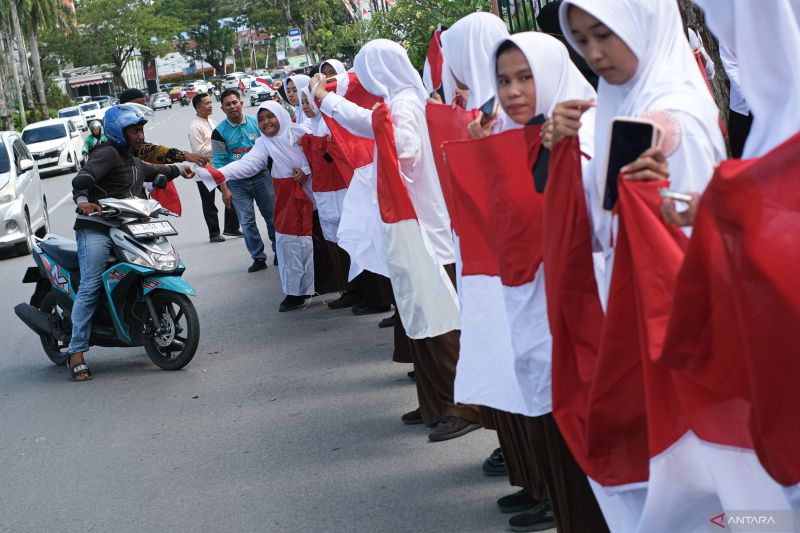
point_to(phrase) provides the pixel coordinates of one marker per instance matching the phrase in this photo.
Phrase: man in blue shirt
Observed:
(231, 139)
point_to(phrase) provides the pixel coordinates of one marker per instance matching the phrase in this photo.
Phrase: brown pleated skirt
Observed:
(330, 274)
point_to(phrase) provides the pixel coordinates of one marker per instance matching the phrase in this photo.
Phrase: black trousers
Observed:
(738, 130)
(210, 213)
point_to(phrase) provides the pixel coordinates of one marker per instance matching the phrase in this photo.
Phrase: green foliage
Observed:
(208, 30)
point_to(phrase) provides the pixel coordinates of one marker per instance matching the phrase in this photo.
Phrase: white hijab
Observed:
(383, 68)
(766, 41)
(556, 77)
(337, 65)
(467, 46)
(317, 122)
(282, 147)
(300, 81)
(667, 77)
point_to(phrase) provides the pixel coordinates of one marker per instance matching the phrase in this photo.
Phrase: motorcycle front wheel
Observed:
(175, 345)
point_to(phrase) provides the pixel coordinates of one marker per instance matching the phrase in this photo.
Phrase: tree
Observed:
(114, 32)
(37, 15)
(211, 32)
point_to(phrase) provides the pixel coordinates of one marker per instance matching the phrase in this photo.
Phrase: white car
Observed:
(231, 81)
(160, 101)
(92, 111)
(259, 92)
(74, 114)
(56, 145)
(23, 206)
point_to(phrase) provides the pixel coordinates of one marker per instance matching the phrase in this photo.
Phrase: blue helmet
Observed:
(118, 118)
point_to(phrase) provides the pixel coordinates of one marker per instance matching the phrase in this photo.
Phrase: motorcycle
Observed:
(144, 301)
(184, 100)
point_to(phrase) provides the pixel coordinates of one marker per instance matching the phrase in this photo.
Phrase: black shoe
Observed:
(237, 233)
(495, 465)
(540, 518)
(451, 427)
(292, 302)
(216, 238)
(360, 308)
(412, 418)
(275, 260)
(258, 264)
(517, 502)
(347, 299)
(388, 322)
(412, 376)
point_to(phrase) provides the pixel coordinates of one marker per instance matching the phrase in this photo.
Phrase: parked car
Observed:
(175, 94)
(277, 74)
(160, 101)
(56, 145)
(23, 205)
(92, 111)
(104, 100)
(259, 92)
(81, 99)
(74, 114)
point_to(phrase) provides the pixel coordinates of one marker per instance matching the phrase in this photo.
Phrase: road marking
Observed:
(60, 203)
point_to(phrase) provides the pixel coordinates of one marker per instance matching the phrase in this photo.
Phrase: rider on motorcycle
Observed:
(112, 171)
(95, 137)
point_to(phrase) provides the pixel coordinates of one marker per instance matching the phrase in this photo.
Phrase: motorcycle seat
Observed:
(63, 251)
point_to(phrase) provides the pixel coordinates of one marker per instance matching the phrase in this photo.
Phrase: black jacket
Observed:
(116, 173)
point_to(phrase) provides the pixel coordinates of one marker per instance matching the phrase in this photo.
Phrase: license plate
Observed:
(152, 229)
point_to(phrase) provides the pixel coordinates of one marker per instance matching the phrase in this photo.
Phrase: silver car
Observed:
(23, 205)
(160, 101)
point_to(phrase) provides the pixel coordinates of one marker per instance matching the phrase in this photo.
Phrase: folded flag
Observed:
(209, 176)
(168, 198)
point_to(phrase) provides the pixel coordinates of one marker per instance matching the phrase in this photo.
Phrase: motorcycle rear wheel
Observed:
(55, 349)
(177, 344)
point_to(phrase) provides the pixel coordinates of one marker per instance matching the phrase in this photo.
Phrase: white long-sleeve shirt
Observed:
(731, 66)
(200, 131)
(416, 161)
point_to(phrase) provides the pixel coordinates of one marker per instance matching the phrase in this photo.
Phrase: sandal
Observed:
(77, 370)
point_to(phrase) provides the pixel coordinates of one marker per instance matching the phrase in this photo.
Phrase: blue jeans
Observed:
(94, 249)
(257, 189)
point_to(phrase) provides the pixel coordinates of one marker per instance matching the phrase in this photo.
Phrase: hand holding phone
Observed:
(489, 110)
(631, 151)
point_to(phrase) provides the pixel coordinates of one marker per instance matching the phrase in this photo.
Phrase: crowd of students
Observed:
(626, 360)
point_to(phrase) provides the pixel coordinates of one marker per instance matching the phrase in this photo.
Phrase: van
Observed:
(56, 145)
(232, 80)
(74, 114)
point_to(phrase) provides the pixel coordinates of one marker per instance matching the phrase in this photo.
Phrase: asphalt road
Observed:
(282, 422)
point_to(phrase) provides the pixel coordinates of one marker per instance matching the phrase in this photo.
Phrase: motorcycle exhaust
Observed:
(34, 319)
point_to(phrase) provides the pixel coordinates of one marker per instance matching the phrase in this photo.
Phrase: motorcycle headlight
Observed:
(167, 261)
(146, 262)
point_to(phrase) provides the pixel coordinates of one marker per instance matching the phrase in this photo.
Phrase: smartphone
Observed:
(629, 138)
(542, 165)
(489, 110)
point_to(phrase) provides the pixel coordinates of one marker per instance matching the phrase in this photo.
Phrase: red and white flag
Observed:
(432, 71)
(168, 198)
(209, 176)
(359, 231)
(499, 222)
(426, 299)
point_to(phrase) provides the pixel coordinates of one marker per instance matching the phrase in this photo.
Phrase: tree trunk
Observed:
(720, 83)
(33, 41)
(9, 55)
(5, 119)
(23, 60)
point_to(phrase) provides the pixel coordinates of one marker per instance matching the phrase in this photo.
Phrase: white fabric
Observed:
(283, 147)
(316, 123)
(622, 506)
(793, 493)
(414, 152)
(296, 260)
(485, 370)
(731, 66)
(425, 297)
(765, 42)
(667, 78)
(697, 44)
(467, 47)
(330, 206)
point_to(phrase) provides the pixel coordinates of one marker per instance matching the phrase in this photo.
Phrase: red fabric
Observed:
(168, 198)
(266, 82)
(598, 413)
(435, 58)
(326, 176)
(493, 192)
(358, 151)
(756, 210)
(393, 198)
(446, 123)
(293, 209)
(219, 178)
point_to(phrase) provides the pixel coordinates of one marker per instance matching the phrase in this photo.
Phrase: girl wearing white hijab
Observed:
(533, 73)
(278, 150)
(384, 70)
(332, 67)
(294, 85)
(643, 58)
(466, 47)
